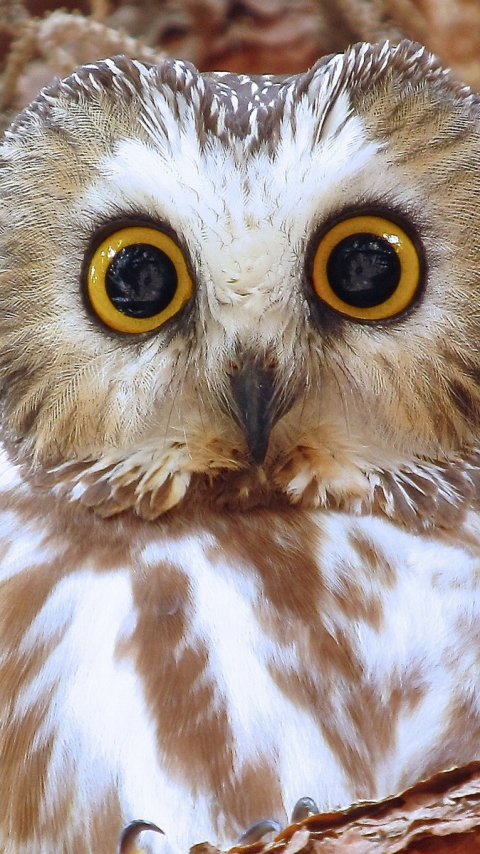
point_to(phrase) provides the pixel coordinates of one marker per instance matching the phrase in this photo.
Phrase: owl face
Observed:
(256, 289)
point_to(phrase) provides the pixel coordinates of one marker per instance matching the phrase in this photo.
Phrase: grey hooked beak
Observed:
(256, 407)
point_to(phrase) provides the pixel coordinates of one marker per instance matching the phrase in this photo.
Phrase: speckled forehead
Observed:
(185, 177)
(233, 134)
(232, 108)
(245, 113)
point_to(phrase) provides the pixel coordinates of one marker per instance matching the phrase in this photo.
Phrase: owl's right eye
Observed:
(137, 279)
(367, 267)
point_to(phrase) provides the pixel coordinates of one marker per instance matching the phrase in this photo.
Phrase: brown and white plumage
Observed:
(240, 552)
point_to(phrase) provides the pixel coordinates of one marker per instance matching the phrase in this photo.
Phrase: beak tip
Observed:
(258, 451)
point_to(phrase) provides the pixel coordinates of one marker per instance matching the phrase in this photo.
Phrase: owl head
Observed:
(251, 290)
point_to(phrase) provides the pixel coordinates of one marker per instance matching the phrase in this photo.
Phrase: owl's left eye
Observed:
(367, 267)
(137, 278)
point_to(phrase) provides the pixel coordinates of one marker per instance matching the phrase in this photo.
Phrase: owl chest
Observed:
(220, 671)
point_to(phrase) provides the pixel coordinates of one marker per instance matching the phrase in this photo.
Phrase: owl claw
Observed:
(303, 809)
(258, 830)
(129, 835)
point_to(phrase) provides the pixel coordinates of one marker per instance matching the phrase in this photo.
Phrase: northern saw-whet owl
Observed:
(240, 415)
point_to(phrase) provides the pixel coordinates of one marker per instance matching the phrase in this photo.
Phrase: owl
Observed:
(240, 465)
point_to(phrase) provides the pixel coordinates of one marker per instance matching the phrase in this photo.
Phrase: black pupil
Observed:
(141, 280)
(363, 270)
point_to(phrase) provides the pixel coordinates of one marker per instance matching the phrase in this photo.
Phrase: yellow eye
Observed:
(367, 267)
(137, 279)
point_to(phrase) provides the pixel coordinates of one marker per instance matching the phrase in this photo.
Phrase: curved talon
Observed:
(258, 830)
(127, 839)
(302, 809)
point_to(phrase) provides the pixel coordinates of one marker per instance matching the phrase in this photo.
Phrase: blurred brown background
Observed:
(41, 38)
